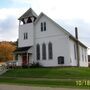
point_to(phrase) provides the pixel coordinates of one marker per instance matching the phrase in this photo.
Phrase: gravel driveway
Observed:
(18, 87)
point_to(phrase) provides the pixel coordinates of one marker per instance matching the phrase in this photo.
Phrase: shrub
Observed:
(36, 64)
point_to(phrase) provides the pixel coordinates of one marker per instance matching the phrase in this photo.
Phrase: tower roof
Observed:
(28, 13)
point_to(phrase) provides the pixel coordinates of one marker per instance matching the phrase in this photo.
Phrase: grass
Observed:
(53, 73)
(58, 77)
(32, 81)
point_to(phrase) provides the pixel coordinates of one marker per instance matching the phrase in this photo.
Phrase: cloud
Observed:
(7, 12)
(66, 9)
(21, 1)
(8, 29)
(9, 23)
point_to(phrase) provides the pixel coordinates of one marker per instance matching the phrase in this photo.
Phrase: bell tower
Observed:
(28, 17)
(26, 28)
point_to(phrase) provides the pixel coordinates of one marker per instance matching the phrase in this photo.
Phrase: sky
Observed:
(67, 13)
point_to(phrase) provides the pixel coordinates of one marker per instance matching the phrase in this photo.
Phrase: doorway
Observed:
(24, 60)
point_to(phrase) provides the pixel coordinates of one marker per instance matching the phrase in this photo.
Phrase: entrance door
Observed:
(24, 60)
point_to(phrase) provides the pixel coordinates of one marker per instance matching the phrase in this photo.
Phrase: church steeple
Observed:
(28, 17)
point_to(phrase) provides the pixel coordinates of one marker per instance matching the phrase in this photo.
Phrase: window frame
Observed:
(50, 51)
(25, 35)
(75, 51)
(38, 51)
(61, 60)
(41, 26)
(44, 26)
(44, 51)
(82, 54)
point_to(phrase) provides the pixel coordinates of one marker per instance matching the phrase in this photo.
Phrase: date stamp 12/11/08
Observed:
(83, 82)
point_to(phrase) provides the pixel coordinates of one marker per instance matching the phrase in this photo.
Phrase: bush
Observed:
(36, 64)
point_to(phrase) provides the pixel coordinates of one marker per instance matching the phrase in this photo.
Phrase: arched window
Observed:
(44, 26)
(38, 51)
(43, 51)
(50, 52)
(41, 26)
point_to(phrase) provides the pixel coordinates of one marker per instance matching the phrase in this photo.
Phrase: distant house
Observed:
(44, 41)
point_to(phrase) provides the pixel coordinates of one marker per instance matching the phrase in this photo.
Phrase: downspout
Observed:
(77, 47)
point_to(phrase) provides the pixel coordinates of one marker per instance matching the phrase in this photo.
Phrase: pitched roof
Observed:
(28, 13)
(42, 14)
(70, 35)
(24, 49)
(73, 38)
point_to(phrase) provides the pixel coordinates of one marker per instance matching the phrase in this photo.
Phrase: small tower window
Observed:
(25, 36)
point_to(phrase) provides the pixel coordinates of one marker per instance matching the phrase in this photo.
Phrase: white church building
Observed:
(43, 41)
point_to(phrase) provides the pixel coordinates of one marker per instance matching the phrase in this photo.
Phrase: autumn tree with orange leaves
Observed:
(6, 51)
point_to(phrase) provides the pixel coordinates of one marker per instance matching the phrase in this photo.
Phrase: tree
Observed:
(6, 51)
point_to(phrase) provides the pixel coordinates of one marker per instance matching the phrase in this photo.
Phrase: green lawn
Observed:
(59, 77)
(55, 73)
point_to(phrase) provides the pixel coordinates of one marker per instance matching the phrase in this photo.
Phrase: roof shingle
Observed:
(28, 13)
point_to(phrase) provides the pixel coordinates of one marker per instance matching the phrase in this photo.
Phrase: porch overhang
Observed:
(22, 50)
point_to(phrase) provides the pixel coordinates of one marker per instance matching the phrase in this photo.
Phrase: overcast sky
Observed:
(67, 13)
